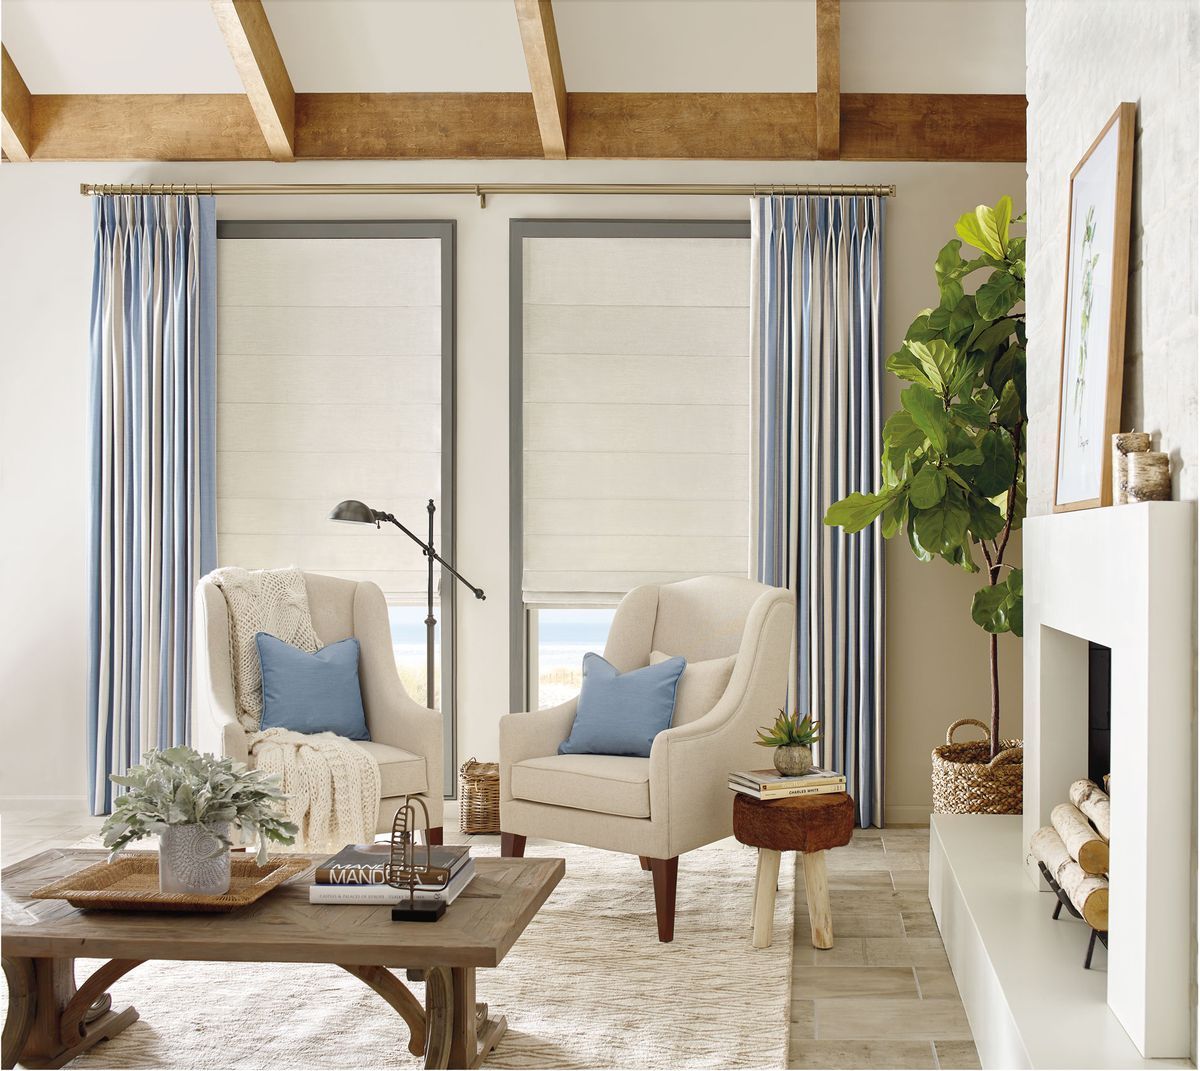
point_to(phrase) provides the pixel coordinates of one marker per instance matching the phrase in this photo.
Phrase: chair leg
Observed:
(512, 845)
(645, 861)
(666, 875)
(434, 834)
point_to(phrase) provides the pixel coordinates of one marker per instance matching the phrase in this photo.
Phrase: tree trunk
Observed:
(994, 655)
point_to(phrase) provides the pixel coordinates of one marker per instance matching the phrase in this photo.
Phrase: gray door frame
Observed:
(519, 230)
(444, 230)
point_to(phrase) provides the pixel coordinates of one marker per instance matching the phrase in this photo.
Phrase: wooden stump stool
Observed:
(810, 825)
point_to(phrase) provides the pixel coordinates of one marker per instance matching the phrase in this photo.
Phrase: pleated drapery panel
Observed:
(153, 523)
(817, 312)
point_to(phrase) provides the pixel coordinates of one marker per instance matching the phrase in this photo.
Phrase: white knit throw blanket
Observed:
(263, 600)
(332, 784)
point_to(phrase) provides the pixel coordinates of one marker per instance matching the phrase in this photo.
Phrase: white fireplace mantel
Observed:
(1123, 577)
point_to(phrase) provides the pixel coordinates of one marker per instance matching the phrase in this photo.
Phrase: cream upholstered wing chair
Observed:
(675, 800)
(406, 738)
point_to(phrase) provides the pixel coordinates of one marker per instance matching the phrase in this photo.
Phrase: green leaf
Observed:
(914, 541)
(995, 297)
(991, 336)
(996, 473)
(1011, 408)
(949, 259)
(952, 293)
(904, 365)
(987, 521)
(894, 516)
(928, 414)
(944, 526)
(1003, 215)
(936, 359)
(928, 487)
(902, 432)
(970, 414)
(979, 228)
(854, 512)
(1000, 608)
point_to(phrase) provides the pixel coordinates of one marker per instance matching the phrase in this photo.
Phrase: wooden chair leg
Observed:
(645, 861)
(765, 886)
(512, 845)
(434, 835)
(816, 889)
(666, 876)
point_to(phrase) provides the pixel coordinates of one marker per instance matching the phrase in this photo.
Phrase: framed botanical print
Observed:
(1093, 338)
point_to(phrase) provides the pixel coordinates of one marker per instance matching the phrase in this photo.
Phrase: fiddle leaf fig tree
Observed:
(953, 465)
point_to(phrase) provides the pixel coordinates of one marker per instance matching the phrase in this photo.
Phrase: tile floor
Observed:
(883, 996)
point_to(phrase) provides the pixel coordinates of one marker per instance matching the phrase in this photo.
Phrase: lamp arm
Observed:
(428, 551)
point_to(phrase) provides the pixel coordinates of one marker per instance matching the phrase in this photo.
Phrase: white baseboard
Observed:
(24, 804)
(907, 814)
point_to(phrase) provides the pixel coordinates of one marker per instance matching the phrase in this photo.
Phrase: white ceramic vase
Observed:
(793, 761)
(191, 859)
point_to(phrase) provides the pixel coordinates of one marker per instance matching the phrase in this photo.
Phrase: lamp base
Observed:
(419, 912)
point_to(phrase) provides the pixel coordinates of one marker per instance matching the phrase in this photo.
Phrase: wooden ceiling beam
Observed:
(478, 126)
(251, 43)
(829, 79)
(540, 40)
(933, 126)
(16, 130)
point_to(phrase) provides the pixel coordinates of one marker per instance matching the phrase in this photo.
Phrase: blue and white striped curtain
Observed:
(153, 525)
(817, 295)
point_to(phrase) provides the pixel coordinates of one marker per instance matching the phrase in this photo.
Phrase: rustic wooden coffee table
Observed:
(51, 1020)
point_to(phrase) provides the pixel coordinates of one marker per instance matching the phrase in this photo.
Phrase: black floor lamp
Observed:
(353, 512)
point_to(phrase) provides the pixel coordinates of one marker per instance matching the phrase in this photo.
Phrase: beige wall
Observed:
(936, 657)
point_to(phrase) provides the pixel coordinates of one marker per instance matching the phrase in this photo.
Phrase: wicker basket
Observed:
(479, 810)
(967, 781)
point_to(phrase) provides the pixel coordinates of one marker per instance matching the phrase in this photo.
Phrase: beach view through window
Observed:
(408, 643)
(563, 638)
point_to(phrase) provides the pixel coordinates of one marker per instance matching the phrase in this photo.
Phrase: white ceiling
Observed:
(173, 46)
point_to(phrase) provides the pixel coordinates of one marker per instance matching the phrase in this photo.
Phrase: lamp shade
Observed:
(352, 511)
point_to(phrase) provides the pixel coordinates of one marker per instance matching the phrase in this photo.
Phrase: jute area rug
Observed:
(588, 985)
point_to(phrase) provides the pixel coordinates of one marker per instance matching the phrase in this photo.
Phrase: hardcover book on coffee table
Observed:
(387, 895)
(366, 864)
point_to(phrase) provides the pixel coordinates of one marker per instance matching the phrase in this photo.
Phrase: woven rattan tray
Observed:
(131, 884)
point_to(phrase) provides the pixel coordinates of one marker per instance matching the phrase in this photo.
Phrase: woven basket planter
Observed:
(966, 780)
(479, 808)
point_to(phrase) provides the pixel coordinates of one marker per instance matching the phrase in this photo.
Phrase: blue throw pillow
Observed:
(622, 713)
(311, 693)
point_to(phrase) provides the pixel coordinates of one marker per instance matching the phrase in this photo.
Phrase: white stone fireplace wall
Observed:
(1123, 577)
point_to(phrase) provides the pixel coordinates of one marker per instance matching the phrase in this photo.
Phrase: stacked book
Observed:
(358, 875)
(770, 785)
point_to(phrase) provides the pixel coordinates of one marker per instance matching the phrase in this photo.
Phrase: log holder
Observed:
(1065, 901)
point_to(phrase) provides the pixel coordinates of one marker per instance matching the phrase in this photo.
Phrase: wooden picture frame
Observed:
(1089, 389)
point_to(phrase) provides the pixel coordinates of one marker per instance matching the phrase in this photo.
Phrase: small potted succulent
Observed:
(193, 802)
(792, 737)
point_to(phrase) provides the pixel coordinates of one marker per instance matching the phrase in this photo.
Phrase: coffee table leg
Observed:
(461, 1033)
(48, 1023)
(816, 889)
(764, 896)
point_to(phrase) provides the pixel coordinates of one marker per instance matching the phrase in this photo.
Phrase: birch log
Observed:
(1082, 841)
(1092, 800)
(1087, 892)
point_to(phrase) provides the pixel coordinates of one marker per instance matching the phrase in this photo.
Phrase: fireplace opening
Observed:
(1099, 712)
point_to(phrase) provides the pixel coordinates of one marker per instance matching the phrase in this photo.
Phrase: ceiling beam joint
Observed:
(540, 41)
(16, 130)
(256, 55)
(829, 79)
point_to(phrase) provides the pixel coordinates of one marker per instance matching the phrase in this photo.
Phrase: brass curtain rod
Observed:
(482, 190)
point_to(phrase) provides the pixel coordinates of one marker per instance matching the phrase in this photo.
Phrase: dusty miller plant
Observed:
(953, 465)
(179, 786)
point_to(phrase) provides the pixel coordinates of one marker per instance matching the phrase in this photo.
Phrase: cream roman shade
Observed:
(636, 413)
(329, 373)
